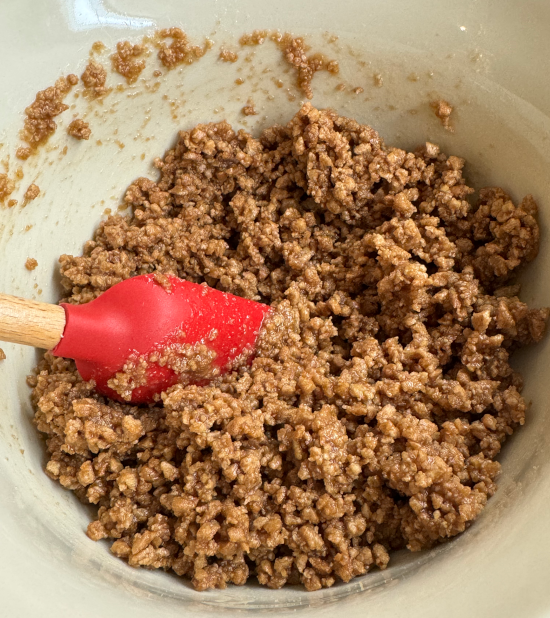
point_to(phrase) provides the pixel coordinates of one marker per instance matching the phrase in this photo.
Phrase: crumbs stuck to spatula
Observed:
(2, 355)
(164, 281)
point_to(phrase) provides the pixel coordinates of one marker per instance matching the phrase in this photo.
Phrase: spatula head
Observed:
(151, 317)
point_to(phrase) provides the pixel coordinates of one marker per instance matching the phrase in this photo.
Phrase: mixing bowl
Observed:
(485, 56)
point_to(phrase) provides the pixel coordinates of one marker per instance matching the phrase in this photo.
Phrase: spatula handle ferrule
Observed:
(30, 323)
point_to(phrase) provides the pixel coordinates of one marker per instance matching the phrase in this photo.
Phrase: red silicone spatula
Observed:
(135, 319)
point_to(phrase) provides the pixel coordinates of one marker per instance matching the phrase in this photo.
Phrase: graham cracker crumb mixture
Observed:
(443, 110)
(31, 264)
(295, 53)
(249, 109)
(23, 153)
(180, 51)
(32, 192)
(97, 47)
(2, 355)
(79, 129)
(39, 121)
(258, 37)
(164, 281)
(7, 187)
(127, 60)
(191, 362)
(228, 56)
(94, 79)
(381, 392)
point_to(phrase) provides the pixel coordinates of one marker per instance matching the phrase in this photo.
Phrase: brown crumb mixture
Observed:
(97, 47)
(7, 186)
(249, 109)
(228, 56)
(2, 355)
(39, 116)
(164, 281)
(94, 79)
(31, 264)
(23, 153)
(372, 415)
(127, 60)
(79, 129)
(180, 51)
(294, 51)
(257, 37)
(31, 193)
(191, 362)
(443, 110)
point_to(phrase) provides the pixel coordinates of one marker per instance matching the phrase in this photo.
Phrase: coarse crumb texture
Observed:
(127, 60)
(79, 129)
(23, 153)
(180, 50)
(31, 264)
(32, 192)
(228, 56)
(39, 123)
(249, 109)
(7, 186)
(295, 53)
(257, 37)
(381, 392)
(443, 110)
(94, 79)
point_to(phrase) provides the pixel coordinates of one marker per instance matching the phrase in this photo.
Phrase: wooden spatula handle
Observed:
(30, 323)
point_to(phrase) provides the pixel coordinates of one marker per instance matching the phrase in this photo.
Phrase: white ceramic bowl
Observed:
(487, 57)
